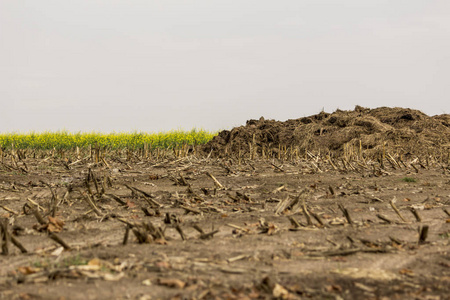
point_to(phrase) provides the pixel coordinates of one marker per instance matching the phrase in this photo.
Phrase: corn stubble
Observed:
(206, 188)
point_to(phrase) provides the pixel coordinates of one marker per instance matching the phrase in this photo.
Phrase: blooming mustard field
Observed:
(68, 140)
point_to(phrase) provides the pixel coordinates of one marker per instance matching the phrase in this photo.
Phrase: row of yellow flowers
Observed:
(67, 140)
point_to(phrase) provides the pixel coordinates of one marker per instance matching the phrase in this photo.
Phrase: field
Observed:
(200, 222)
(64, 140)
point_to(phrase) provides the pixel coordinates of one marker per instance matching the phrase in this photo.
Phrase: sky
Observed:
(139, 65)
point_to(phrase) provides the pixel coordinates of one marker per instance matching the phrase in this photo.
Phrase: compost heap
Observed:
(398, 131)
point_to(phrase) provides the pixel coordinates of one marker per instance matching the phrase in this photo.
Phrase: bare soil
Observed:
(348, 205)
(267, 229)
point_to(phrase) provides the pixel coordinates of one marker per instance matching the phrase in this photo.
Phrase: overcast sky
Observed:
(124, 65)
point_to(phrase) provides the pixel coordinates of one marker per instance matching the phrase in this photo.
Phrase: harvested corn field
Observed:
(264, 220)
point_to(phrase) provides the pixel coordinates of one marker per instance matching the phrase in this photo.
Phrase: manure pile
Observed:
(362, 131)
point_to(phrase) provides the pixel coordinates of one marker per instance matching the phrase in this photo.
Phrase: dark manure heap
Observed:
(364, 132)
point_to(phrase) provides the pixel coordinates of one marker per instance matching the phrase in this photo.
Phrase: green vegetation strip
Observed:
(409, 179)
(67, 140)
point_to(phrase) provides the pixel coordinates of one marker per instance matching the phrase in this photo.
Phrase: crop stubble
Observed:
(247, 225)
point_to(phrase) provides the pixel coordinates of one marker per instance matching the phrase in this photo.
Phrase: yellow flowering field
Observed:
(68, 140)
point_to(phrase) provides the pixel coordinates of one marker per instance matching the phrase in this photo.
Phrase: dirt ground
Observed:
(263, 229)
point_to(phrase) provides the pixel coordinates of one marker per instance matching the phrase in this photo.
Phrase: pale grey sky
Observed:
(123, 65)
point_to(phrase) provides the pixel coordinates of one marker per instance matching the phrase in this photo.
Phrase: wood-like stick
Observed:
(396, 210)
(60, 241)
(416, 214)
(218, 184)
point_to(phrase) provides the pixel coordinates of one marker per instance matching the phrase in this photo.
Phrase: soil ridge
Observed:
(400, 131)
